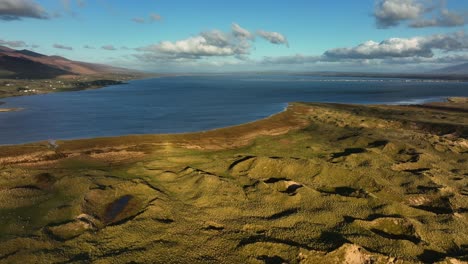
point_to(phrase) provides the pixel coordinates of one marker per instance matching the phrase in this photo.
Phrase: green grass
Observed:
(353, 182)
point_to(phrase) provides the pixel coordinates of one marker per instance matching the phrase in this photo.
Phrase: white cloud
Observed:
(390, 13)
(428, 51)
(216, 38)
(192, 47)
(214, 43)
(234, 45)
(394, 47)
(273, 37)
(402, 47)
(418, 14)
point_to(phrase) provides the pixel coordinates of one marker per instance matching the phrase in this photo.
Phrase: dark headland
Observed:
(24, 72)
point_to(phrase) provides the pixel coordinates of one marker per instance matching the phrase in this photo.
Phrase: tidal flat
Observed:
(317, 183)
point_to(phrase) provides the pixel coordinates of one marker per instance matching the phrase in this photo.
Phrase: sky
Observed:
(243, 35)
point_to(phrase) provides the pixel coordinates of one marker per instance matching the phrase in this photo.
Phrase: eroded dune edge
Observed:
(318, 183)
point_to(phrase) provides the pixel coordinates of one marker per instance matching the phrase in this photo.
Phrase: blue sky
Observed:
(166, 36)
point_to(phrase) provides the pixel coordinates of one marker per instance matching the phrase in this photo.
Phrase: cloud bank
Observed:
(403, 47)
(19, 9)
(215, 43)
(433, 49)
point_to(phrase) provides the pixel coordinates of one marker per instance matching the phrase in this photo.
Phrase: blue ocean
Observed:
(196, 103)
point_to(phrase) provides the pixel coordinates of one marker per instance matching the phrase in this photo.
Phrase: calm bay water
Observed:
(188, 103)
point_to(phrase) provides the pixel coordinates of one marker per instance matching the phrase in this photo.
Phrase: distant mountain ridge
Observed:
(30, 64)
(457, 69)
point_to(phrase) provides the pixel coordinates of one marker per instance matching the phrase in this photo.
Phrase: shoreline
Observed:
(6, 110)
(250, 123)
(23, 87)
(287, 112)
(284, 110)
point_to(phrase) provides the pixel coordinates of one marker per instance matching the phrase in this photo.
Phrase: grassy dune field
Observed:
(318, 183)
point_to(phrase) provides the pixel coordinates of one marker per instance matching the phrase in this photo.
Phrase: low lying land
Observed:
(318, 183)
(3, 110)
(21, 87)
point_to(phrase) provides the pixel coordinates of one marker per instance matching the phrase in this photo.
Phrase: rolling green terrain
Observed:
(318, 183)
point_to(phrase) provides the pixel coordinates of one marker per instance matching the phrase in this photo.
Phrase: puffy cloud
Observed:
(194, 47)
(13, 44)
(216, 38)
(214, 43)
(240, 32)
(428, 51)
(233, 46)
(273, 37)
(394, 47)
(418, 14)
(18, 9)
(60, 46)
(108, 47)
(402, 47)
(390, 13)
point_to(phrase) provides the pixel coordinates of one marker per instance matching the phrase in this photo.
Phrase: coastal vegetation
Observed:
(21, 87)
(318, 183)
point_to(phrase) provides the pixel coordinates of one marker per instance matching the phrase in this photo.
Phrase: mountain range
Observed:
(461, 69)
(25, 64)
(29, 64)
